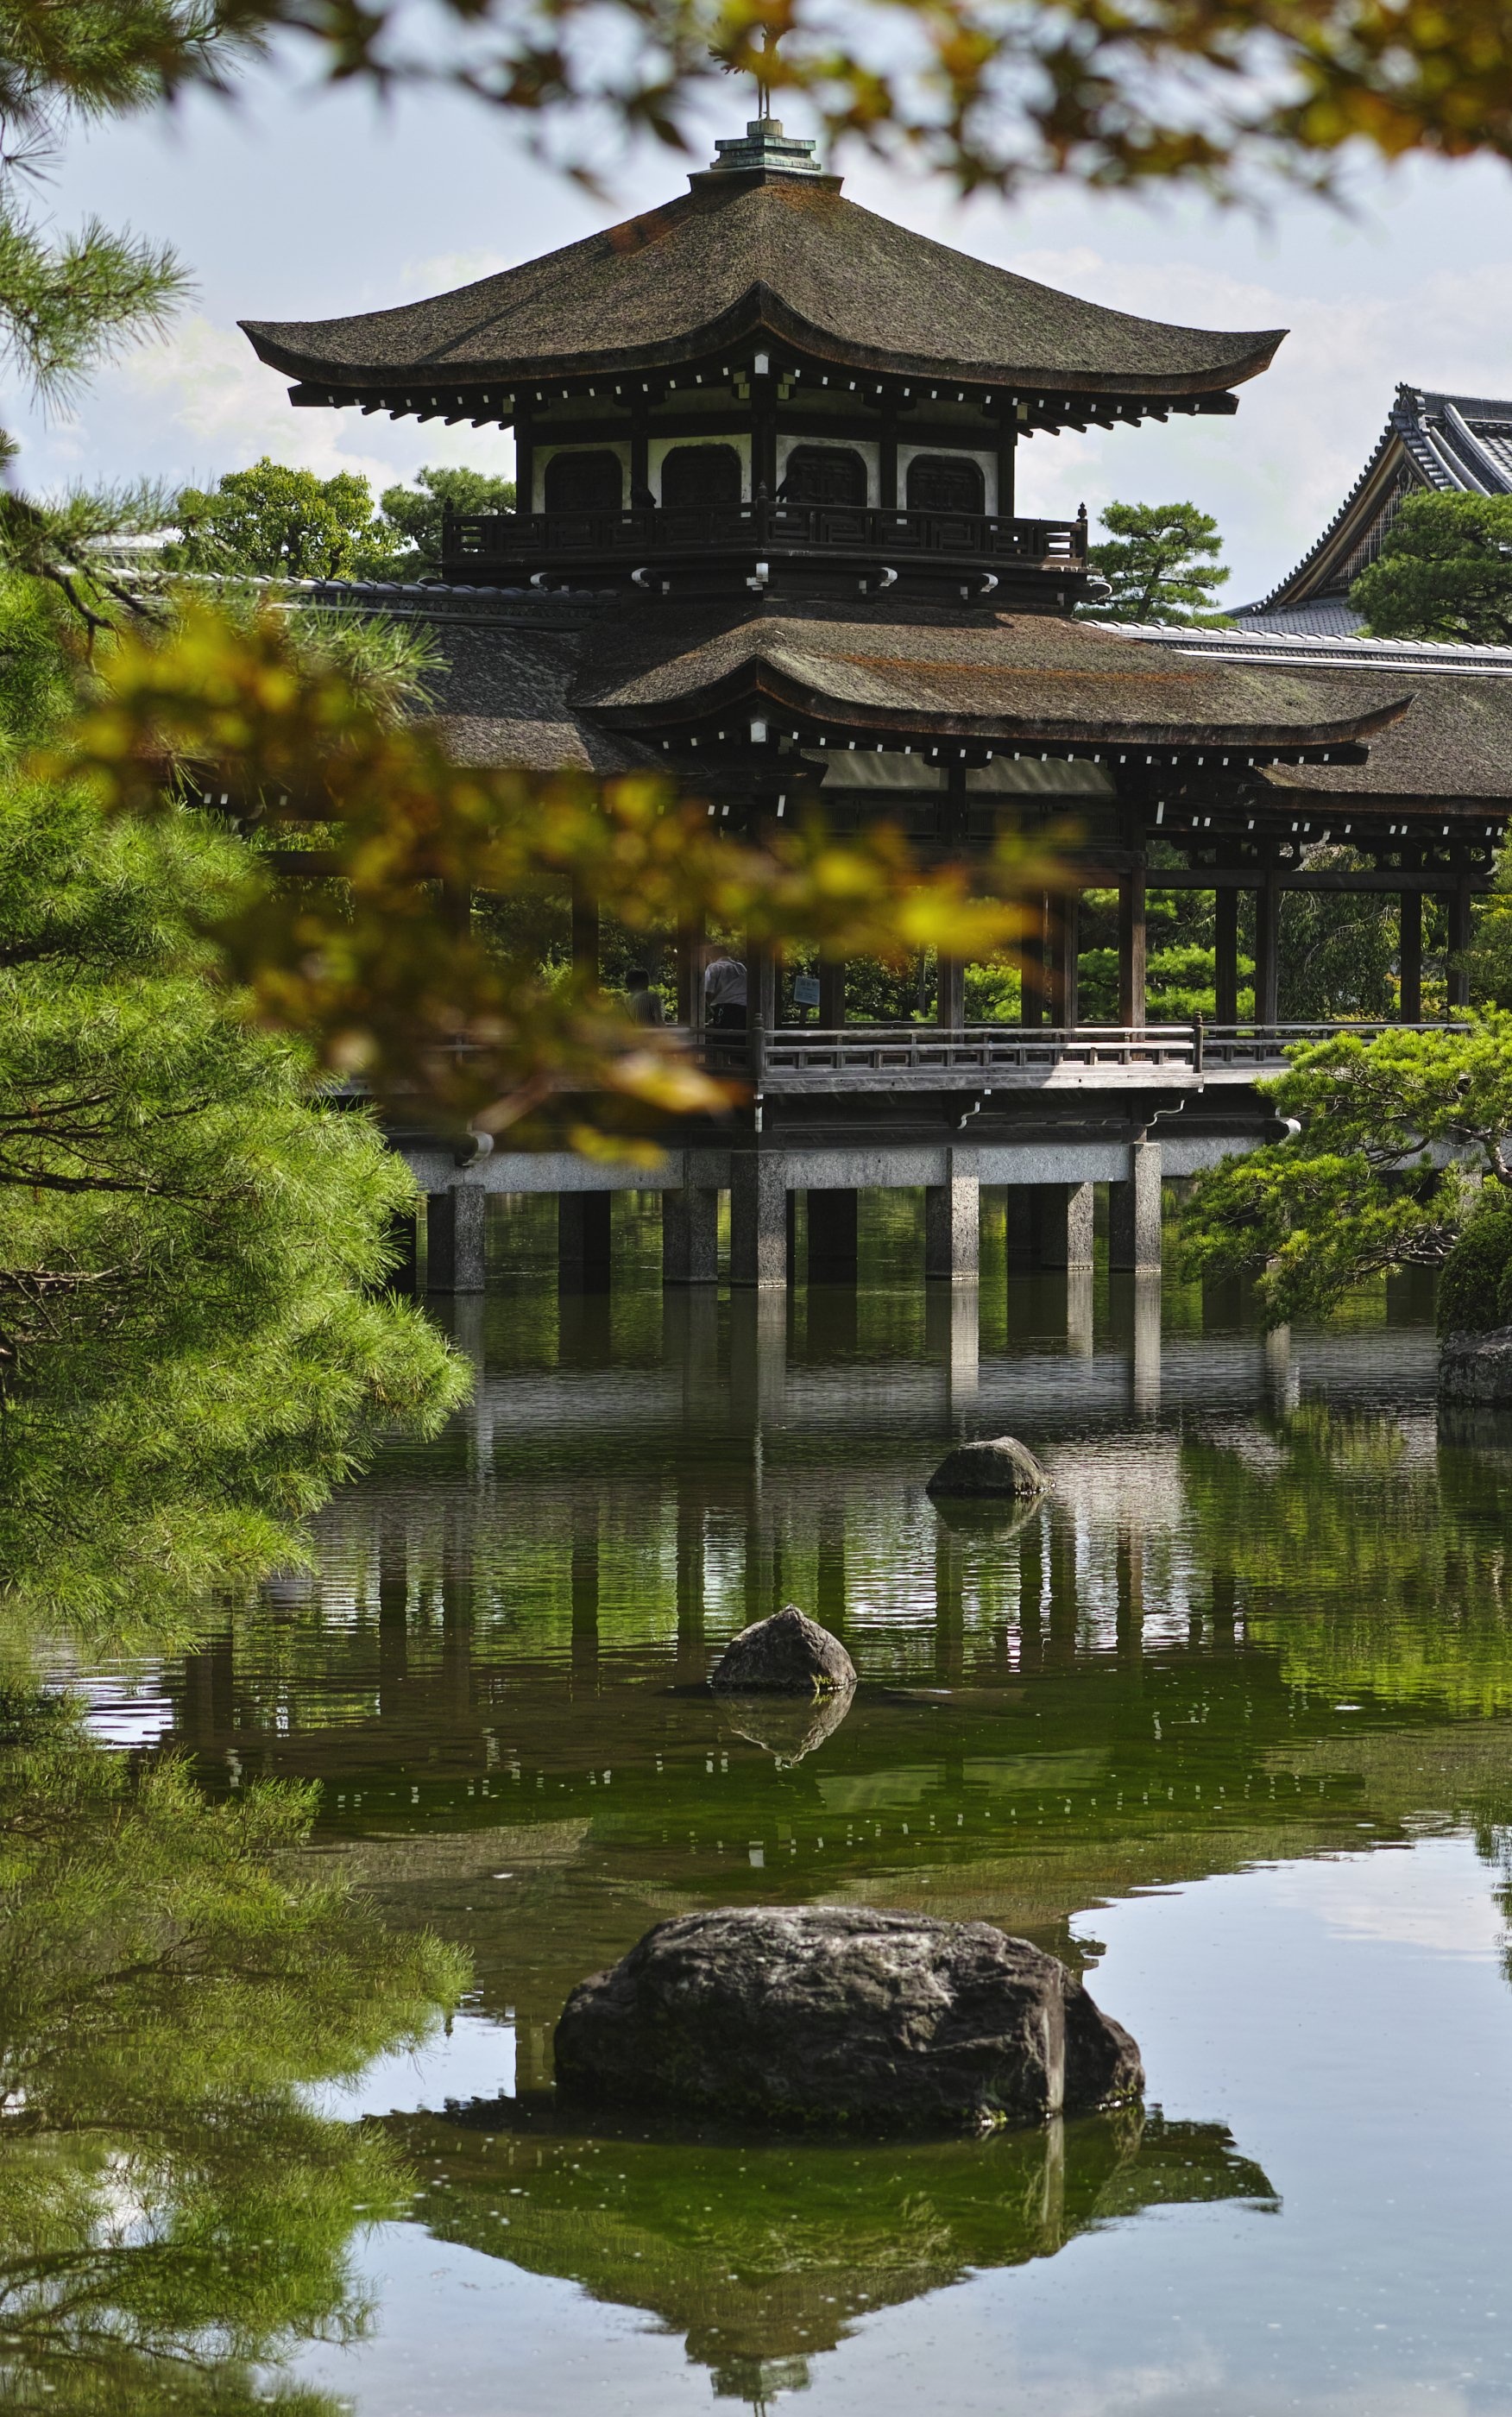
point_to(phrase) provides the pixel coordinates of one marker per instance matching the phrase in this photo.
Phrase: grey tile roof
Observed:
(786, 253)
(1450, 443)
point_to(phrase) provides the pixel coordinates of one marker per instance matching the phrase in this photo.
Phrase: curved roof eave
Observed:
(759, 312)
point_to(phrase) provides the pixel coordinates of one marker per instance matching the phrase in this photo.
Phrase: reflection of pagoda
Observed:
(767, 541)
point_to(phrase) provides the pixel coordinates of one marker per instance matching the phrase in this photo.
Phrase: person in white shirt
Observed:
(644, 1003)
(724, 994)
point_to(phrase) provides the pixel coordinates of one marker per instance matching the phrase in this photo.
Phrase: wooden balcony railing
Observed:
(486, 543)
(929, 1057)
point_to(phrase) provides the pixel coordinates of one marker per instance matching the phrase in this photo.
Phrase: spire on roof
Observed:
(763, 145)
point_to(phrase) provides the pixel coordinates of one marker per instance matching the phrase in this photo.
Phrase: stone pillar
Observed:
(1134, 1212)
(1268, 948)
(1409, 956)
(689, 1235)
(758, 1358)
(952, 1216)
(1048, 1225)
(1079, 1298)
(1226, 955)
(454, 1232)
(831, 997)
(952, 1334)
(1132, 947)
(833, 1225)
(1146, 1355)
(949, 993)
(583, 1241)
(1459, 984)
(758, 1219)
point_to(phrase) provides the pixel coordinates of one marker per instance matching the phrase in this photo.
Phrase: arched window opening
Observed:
(824, 473)
(945, 482)
(584, 482)
(700, 475)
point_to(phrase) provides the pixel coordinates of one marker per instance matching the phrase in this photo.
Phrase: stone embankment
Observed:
(1476, 1369)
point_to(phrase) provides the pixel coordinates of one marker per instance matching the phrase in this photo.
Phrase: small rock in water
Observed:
(789, 1727)
(1004, 1465)
(788, 1654)
(822, 2015)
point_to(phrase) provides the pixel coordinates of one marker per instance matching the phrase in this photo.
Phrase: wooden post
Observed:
(1410, 954)
(1007, 447)
(1268, 944)
(831, 996)
(585, 934)
(888, 494)
(690, 974)
(949, 993)
(1459, 983)
(1132, 947)
(1064, 925)
(1226, 957)
(761, 1000)
(762, 435)
(525, 462)
(640, 453)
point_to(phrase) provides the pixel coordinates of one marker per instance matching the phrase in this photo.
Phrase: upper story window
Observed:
(824, 474)
(693, 475)
(584, 482)
(945, 482)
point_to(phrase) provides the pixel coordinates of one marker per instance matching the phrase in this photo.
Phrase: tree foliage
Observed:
(171, 2213)
(1161, 562)
(413, 516)
(193, 1344)
(1391, 1136)
(274, 523)
(1445, 571)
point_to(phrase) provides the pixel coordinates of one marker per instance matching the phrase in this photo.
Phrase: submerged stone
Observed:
(1004, 1465)
(788, 1655)
(824, 2016)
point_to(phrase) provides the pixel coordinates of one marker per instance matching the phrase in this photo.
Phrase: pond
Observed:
(1225, 1724)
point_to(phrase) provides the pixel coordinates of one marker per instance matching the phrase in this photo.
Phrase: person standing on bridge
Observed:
(724, 994)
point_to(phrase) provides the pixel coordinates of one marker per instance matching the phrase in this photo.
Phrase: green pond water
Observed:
(1225, 1724)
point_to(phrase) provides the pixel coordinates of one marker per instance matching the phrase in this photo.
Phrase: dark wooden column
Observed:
(1035, 969)
(761, 996)
(1459, 906)
(1226, 956)
(1133, 952)
(525, 462)
(1268, 942)
(831, 996)
(1007, 449)
(1064, 931)
(950, 972)
(1410, 951)
(585, 934)
(690, 937)
(640, 451)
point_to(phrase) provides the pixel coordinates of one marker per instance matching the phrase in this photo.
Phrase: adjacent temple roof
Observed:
(1454, 443)
(748, 249)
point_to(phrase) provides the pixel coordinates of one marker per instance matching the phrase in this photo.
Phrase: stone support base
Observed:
(758, 1220)
(1134, 1213)
(583, 1241)
(454, 1239)
(952, 1215)
(1048, 1225)
(689, 1236)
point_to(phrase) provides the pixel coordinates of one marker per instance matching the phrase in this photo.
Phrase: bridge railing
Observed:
(928, 1055)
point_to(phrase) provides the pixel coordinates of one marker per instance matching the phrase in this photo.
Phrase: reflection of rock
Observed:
(764, 2254)
(787, 1729)
(787, 1655)
(1001, 1466)
(823, 2015)
(985, 1518)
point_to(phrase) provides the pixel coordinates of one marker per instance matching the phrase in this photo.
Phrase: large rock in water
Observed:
(1003, 1465)
(788, 1655)
(830, 2015)
(1477, 1369)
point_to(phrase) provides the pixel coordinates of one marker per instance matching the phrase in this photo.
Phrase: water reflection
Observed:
(1264, 1615)
(764, 2256)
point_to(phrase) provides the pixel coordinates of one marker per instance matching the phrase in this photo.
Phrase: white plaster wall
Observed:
(660, 446)
(986, 462)
(869, 450)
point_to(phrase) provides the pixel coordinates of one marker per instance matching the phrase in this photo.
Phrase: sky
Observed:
(293, 204)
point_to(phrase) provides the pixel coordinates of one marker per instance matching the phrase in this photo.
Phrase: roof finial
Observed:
(764, 143)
